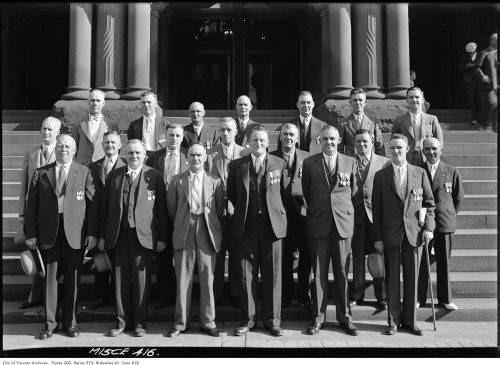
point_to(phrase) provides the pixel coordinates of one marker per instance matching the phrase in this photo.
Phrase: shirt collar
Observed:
(172, 151)
(67, 164)
(243, 121)
(227, 148)
(112, 158)
(429, 165)
(49, 148)
(369, 157)
(152, 116)
(129, 170)
(98, 117)
(261, 158)
(417, 116)
(358, 117)
(192, 175)
(326, 157)
(302, 119)
(396, 167)
(289, 153)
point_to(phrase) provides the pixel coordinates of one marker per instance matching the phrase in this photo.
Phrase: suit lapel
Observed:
(51, 175)
(410, 180)
(322, 170)
(372, 167)
(218, 162)
(103, 128)
(366, 123)
(35, 158)
(72, 177)
(245, 173)
(120, 180)
(85, 129)
(161, 162)
(350, 124)
(207, 189)
(185, 185)
(102, 173)
(389, 173)
(438, 178)
(409, 127)
(424, 123)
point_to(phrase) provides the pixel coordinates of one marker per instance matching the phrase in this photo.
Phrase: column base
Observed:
(373, 92)
(134, 93)
(338, 92)
(397, 92)
(76, 93)
(111, 94)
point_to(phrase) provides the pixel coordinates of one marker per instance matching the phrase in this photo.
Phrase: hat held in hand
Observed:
(101, 261)
(32, 263)
(376, 265)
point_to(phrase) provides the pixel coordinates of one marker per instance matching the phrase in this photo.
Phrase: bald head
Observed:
(65, 148)
(196, 112)
(50, 129)
(243, 107)
(432, 150)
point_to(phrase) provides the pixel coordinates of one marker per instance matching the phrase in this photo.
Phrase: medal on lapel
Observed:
(79, 194)
(162, 139)
(316, 139)
(447, 187)
(208, 144)
(417, 194)
(151, 194)
(207, 208)
(299, 173)
(343, 179)
(274, 177)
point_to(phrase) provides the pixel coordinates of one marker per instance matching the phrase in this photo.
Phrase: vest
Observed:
(257, 192)
(129, 197)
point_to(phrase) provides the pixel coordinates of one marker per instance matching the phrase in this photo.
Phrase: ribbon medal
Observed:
(207, 208)
(274, 176)
(447, 187)
(344, 179)
(151, 194)
(299, 173)
(79, 194)
(162, 139)
(417, 194)
(316, 139)
(208, 144)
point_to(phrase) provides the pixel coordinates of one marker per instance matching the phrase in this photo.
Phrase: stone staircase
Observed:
(474, 255)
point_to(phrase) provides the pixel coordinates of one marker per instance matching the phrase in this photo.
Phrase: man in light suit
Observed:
(487, 63)
(132, 227)
(218, 159)
(39, 156)
(170, 161)
(89, 132)
(245, 125)
(61, 219)
(416, 125)
(358, 120)
(309, 126)
(401, 194)
(328, 187)
(258, 225)
(448, 192)
(150, 128)
(295, 206)
(100, 169)
(195, 204)
(198, 130)
(367, 164)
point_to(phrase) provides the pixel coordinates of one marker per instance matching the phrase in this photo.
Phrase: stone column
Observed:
(80, 49)
(138, 61)
(368, 54)
(398, 50)
(325, 49)
(156, 8)
(340, 51)
(110, 51)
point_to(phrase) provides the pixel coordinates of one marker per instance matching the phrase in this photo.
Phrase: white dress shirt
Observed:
(416, 120)
(260, 158)
(196, 202)
(331, 161)
(305, 122)
(433, 168)
(94, 122)
(242, 123)
(228, 150)
(148, 134)
(136, 171)
(401, 171)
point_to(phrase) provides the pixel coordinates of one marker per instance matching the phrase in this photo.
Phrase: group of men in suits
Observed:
(197, 194)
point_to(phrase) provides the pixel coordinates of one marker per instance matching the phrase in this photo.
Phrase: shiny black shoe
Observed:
(391, 330)
(139, 332)
(350, 329)
(72, 331)
(214, 332)
(174, 332)
(314, 328)
(27, 304)
(46, 334)
(115, 332)
(243, 329)
(275, 331)
(382, 305)
(413, 330)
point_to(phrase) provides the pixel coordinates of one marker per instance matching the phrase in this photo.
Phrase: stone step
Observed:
(469, 238)
(480, 186)
(11, 188)
(471, 160)
(463, 284)
(11, 175)
(469, 172)
(477, 219)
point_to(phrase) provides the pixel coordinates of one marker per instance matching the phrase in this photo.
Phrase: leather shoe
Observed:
(214, 332)
(139, 332)
(391, 330)
(72, 331)
(27, 304)
(174, 332)
(243, 329)
(450, 306)
(314, 328)
(413, 330)
(350, 329)
(46, 334)
(382, 304)
(115, 332)
(275, 331)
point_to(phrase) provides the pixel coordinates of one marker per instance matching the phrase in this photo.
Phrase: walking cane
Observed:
(426, 248)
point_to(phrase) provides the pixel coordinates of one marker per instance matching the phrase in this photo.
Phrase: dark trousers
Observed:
(61, 258)
(443, 243)
(131, 261)
(409, 257)
(234, 276)
(362, 244)
(102, 286)
(474, 98)
(260, 249)
(296, 241)
(323, 250)
(488, 114)
(165, 275)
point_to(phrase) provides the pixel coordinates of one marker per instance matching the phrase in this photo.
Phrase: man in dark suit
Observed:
(448, 191)
(245, 125)
(358, 120)
(195, 204)
(39, 156)
(328, 187)
(198, 130)
(403, 219)
(170, 161)
(218, 159)
(295, 205)
(89, 132)
(416, 125)
(487, 63)
(132, 226)
(471, 79)
(309, 126)
(61, 219)
(150, 128)
(367, 164)
(258, 224)
(100, 170)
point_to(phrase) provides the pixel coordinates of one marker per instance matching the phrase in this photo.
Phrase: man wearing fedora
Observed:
(39, 156)
(132, 225)
(367, 164)
(100, 169)
(61, 219)
(471, 79)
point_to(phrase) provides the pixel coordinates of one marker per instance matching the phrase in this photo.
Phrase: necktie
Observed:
(258, 166)
(329, 163)
(356, 122)
(433, 171)
(61, 181)
(149, 125)
(132, 175)
(364, 162)
(195, 197)
(289, 161)
(46, 155)
(109, 166)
